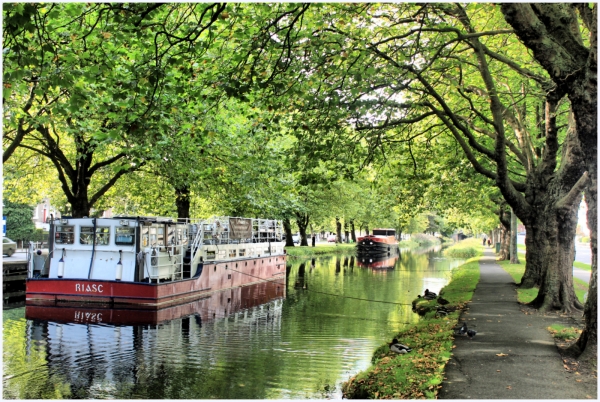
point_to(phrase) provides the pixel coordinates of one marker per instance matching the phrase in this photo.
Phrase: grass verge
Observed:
(468, 248)
(419, 373)
(308, 251)
(582, 265)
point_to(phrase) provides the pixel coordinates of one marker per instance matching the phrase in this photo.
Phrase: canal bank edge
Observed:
(419, 373)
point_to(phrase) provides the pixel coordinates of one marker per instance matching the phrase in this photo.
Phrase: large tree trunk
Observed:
(514, 253)
(352, 230)
(182, 201)
(504, 244)
(302, 220)
(589, 336)
(346, 232)
(287, 228)
(557, 291)
(338, 230)
(80, 206)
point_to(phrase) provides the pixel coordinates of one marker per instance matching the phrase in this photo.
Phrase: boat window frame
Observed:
(60, 234)
(102, 235)
(131, 232)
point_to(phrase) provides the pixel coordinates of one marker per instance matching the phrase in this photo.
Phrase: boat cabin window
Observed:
(210, 254)
(232, 253)
(124, 236)
(153, 236)
(383, 232)
(242, 252)
(86, 235)
(64, 234)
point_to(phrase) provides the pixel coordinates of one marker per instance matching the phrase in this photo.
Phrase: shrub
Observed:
(464, 249)
(424, 239)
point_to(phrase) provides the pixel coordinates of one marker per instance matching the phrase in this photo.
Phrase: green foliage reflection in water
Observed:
(31, 378)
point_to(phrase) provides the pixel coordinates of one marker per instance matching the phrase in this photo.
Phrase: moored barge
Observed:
(381, 242)
(153, 262)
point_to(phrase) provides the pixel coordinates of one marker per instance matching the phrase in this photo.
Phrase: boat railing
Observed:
(217, 230)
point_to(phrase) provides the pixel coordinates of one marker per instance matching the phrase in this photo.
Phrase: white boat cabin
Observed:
(140, 249)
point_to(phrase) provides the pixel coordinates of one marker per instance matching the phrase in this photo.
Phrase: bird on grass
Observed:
(442, 301)
(428, 293)
(398, 347)
(426, 297)
(471, 333)
(441, 313)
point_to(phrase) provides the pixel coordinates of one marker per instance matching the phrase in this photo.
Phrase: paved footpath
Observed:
(513, 356)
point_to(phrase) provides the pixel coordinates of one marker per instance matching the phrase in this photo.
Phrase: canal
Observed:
(298, 340)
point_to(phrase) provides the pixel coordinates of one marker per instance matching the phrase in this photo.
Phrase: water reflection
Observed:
(273, 341)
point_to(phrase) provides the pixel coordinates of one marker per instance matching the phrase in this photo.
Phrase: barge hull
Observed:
(217, 277)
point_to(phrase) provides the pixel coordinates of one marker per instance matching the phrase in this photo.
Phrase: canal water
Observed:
(295, 340)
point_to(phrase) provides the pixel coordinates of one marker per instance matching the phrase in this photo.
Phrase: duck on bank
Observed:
(430, 340)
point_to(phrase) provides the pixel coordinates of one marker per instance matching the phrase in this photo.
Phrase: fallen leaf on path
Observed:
(501, 354)
(509, 387)
(499, 371)
(578, 380)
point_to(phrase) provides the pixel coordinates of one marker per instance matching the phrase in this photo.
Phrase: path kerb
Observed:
(513, 356)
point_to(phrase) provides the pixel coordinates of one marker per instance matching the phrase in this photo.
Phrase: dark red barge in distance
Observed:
(153, 262)
(381, 242)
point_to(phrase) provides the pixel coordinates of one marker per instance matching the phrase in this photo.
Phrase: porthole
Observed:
(215, 268)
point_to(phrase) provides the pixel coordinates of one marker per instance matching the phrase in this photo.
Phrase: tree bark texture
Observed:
(504, 233)
(352, 230)
(302, 220)
(514, 253)
(182, 201)
(338, 230)
(287, 228)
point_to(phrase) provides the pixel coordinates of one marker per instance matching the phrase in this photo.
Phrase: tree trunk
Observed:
(590, 312)
(346, 232)
(182, 201)
(557, 291)
(338, 229)
(504, 232)
(302, 220)
(80, 206)
(514, 253)
(504, 244)
(287, 228)
(352, 231)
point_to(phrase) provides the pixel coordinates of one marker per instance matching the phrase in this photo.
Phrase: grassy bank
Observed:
(468, 248)
(419, 373)
(309, 251)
